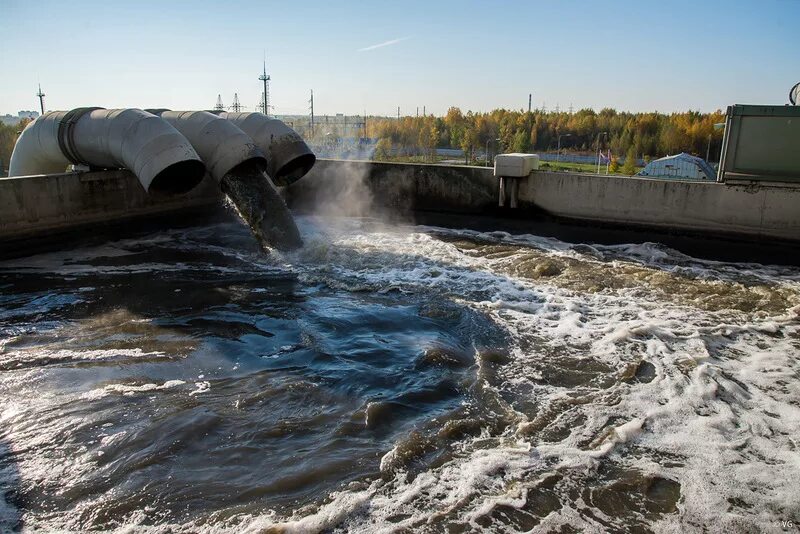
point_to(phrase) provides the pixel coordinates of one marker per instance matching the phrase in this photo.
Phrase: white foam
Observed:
(721, 406)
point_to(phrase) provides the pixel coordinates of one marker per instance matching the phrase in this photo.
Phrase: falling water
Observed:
(258, 203)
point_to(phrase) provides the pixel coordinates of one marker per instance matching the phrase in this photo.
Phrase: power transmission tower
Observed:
(570, 108)
(557, 107)
(265, 78)
(237, 107)
(40, 94)
(219, 106)
(312, 112)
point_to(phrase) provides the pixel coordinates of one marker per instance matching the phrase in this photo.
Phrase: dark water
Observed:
(395, 379)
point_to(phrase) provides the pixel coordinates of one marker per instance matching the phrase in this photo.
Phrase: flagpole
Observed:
(598, 150)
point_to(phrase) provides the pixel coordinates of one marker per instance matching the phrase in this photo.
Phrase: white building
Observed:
(680, 167)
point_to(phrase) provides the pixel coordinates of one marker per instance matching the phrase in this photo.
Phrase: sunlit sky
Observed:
(374, 56)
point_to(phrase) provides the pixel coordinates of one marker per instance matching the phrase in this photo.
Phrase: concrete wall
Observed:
(38, 205)
(357, 187)
(747, 211)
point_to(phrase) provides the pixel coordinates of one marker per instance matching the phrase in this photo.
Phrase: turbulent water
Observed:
(396, 379)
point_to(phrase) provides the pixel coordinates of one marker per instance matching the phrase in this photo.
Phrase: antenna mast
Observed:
(312, 112)
(40, 94)
(265, 78)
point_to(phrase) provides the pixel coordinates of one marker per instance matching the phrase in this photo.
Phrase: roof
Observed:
(680, 166)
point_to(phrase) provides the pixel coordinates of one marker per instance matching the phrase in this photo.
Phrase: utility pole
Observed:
(417, 111)
(219, 106)
(312, 112)
(424, 114)
(365, 124)
(530, 99)
(398, 112)
(265, 78)
(40, 94)
(237, 107)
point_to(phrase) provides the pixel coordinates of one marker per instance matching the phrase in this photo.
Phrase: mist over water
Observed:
(390, 378)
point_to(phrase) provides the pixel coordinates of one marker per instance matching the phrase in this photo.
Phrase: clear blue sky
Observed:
(630, 55)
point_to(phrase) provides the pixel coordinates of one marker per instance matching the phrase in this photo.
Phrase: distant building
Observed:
(680, 167)
(14, 119)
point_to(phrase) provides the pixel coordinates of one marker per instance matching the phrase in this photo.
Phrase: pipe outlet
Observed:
(219, 142)
(161, 158)
(288, 157)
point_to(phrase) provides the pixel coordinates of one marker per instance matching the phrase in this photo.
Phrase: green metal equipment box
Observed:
(761, 143)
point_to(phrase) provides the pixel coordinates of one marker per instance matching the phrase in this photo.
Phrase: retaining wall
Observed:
(755, 211)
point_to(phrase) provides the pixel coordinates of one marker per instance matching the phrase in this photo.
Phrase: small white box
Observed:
(515, 165)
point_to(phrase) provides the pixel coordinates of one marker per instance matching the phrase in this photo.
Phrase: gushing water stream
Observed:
(258, 203)
(396, 379)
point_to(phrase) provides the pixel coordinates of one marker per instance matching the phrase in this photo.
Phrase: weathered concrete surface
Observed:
(36, 206)
(761, 211)
(52, 204)
(357, 187)
(753, 212)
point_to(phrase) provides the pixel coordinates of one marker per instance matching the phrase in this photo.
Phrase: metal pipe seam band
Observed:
(66, 127)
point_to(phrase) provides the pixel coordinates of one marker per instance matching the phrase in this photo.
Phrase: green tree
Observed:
(629, 167)
(383, 149)
(521, 140)
(613, 167)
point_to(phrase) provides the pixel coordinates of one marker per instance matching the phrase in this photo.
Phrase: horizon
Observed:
(373, 60)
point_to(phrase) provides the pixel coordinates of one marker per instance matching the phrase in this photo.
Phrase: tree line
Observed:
(635, 135)
(8, 136)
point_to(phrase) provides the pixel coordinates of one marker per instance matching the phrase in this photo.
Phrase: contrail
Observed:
(381, 45)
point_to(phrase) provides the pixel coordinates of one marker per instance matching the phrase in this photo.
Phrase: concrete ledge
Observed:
(36, 206)
(734, 210)
(355, 187)
(754, 211)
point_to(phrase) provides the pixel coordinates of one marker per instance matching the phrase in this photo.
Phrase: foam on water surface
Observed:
(629, 387)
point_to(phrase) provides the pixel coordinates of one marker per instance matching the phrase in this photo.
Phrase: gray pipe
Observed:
(221, 145)
(160, 157)
(288, 156)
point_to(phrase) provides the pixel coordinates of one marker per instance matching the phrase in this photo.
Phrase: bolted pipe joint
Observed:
(220, 144)
(160, 157)
(288, 157)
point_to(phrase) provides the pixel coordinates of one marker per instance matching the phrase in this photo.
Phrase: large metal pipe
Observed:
(161, 158)
(239, 165)
(288, 157)
(219, 142)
